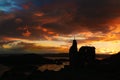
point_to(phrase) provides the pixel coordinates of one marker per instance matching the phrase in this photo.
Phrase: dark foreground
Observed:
(25, 67)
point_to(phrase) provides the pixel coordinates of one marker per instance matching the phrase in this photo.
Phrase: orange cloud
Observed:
(44, 30)
(26, 7)
(26, 34)
(47, 38)
(50, 32)
(38, 14)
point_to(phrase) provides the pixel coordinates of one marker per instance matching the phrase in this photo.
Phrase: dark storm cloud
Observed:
(4, 16)
(96, 14)
(64, 17)
(84, 15)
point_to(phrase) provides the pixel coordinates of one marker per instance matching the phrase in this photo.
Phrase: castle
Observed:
(85, 55)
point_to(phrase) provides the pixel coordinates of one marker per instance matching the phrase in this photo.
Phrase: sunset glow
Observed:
(49, 26)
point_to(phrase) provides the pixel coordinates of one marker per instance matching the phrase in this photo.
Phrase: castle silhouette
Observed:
(84, 57)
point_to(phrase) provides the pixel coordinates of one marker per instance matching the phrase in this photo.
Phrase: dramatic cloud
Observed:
(58, 20)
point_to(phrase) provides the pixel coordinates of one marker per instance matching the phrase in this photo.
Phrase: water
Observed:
(53, 67)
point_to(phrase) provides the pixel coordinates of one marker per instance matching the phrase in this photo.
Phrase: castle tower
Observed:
(73, 53)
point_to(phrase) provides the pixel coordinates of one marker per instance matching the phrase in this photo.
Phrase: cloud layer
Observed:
(90, 20)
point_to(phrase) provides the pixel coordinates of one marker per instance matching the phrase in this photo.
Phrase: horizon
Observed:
(49, 26)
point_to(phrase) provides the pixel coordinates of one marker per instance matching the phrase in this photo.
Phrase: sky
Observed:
(49, 26)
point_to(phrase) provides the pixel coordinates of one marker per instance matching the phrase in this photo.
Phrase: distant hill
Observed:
(113, 59)
(98, 56)
(23, 59)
